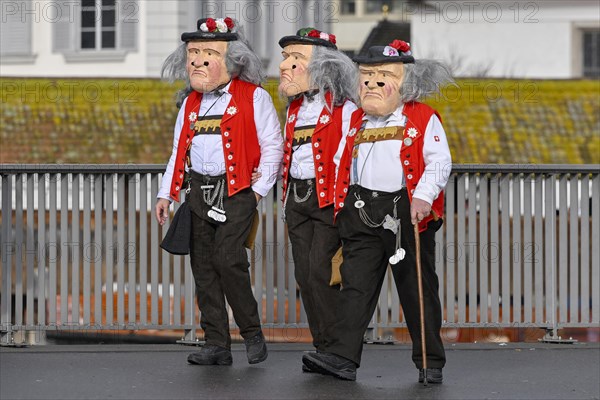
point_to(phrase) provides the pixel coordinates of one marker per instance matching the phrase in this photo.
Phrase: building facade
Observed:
(131, 38)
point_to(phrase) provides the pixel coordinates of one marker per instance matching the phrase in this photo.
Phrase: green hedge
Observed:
(131, 120)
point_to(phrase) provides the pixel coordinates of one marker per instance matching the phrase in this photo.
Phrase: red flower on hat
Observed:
(400, 45)
(229, 22)
(332, 38)
(314, 33)
(211, 24)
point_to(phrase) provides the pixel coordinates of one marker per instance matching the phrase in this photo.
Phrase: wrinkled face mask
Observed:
(206, 65)
(293, 70)
(380, 88)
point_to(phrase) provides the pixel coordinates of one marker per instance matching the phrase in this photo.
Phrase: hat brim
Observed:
(209, 36)
(294, 39)
(383, 59)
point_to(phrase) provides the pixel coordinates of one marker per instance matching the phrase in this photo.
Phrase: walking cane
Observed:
(421, 302)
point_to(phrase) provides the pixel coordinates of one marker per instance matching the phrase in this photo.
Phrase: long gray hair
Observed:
(240, 60)
(333, 71)
(424, 78)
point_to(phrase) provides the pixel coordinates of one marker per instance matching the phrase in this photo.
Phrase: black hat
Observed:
(397, 51)
(310, 36)
(213, 29)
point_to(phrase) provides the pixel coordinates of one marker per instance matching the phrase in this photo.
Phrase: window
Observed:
(348, 7)
(376, 6)
(95, 30)
(98, 24)
(591, 54)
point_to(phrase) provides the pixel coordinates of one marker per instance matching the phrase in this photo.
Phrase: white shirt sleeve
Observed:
(438, 162)
(349, 108)
(270, 141)
(165, 185)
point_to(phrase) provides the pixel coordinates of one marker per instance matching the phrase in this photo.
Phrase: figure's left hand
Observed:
(256, 174)
(419, 209)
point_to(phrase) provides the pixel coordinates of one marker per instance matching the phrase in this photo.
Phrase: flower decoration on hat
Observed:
(314, 33)
(396, 48)
(219, 25)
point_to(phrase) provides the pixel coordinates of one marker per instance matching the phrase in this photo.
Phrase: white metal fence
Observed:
(520, 247)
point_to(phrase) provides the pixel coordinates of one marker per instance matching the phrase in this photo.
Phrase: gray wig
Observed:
(240, 60)
(424, 78)
(333, 71)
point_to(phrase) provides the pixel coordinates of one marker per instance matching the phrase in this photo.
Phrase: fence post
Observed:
(550, 244)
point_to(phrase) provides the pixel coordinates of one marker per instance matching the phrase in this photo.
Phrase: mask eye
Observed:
(366, 83)
(380, 84)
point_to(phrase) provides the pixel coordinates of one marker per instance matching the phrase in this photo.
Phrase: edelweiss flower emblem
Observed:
(291, 118)
(231, 110)
(352, 132)
(412, 132)
(193, 117)
(324, 119)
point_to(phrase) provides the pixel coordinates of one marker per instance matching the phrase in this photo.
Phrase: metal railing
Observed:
(519, 247)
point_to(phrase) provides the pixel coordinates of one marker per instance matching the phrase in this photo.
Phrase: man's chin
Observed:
(204, 87)
(289, 90)
(375, 109)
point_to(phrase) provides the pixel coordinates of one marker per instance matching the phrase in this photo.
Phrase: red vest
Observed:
(325, 140)
(411, 155)
(238, 132)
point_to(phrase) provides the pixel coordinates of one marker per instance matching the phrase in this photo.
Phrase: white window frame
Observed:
(79, 54)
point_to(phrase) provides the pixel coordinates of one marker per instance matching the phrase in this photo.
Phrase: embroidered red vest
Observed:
(238, 133)
(325, 140)
(411, 155)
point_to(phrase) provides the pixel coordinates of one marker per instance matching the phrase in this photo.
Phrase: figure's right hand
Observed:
(162, 210)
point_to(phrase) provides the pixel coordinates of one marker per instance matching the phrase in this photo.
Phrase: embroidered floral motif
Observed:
(231, 110)
(193, 117)
(324, 119)
(291, 118)
(352, 132)
(412, 132)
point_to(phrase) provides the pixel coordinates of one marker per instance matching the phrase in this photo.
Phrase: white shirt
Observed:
(303, 165)
(379, 167)
(206, 153)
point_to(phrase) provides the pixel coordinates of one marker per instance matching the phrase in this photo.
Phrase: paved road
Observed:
(474, 371)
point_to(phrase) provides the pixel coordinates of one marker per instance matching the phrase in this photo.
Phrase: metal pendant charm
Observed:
(217, 214)
(398, 256)
(391, 224)
(359, 204)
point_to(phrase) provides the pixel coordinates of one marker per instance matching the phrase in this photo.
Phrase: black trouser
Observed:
(220, 263)
(366, 252)
(314, 242)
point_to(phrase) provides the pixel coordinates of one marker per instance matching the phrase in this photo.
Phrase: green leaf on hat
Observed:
(304, 31)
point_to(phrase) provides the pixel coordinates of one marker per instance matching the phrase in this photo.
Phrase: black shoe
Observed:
(307, 370)
(330, 364)
(211, 355)
(256, 349)
(434, 375)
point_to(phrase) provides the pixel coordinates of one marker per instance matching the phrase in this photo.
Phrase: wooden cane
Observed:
(421, 302)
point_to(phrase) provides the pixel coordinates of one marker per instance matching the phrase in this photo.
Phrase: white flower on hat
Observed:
(221, 25)
(324, 36)
(390, 52)
(203, 27)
